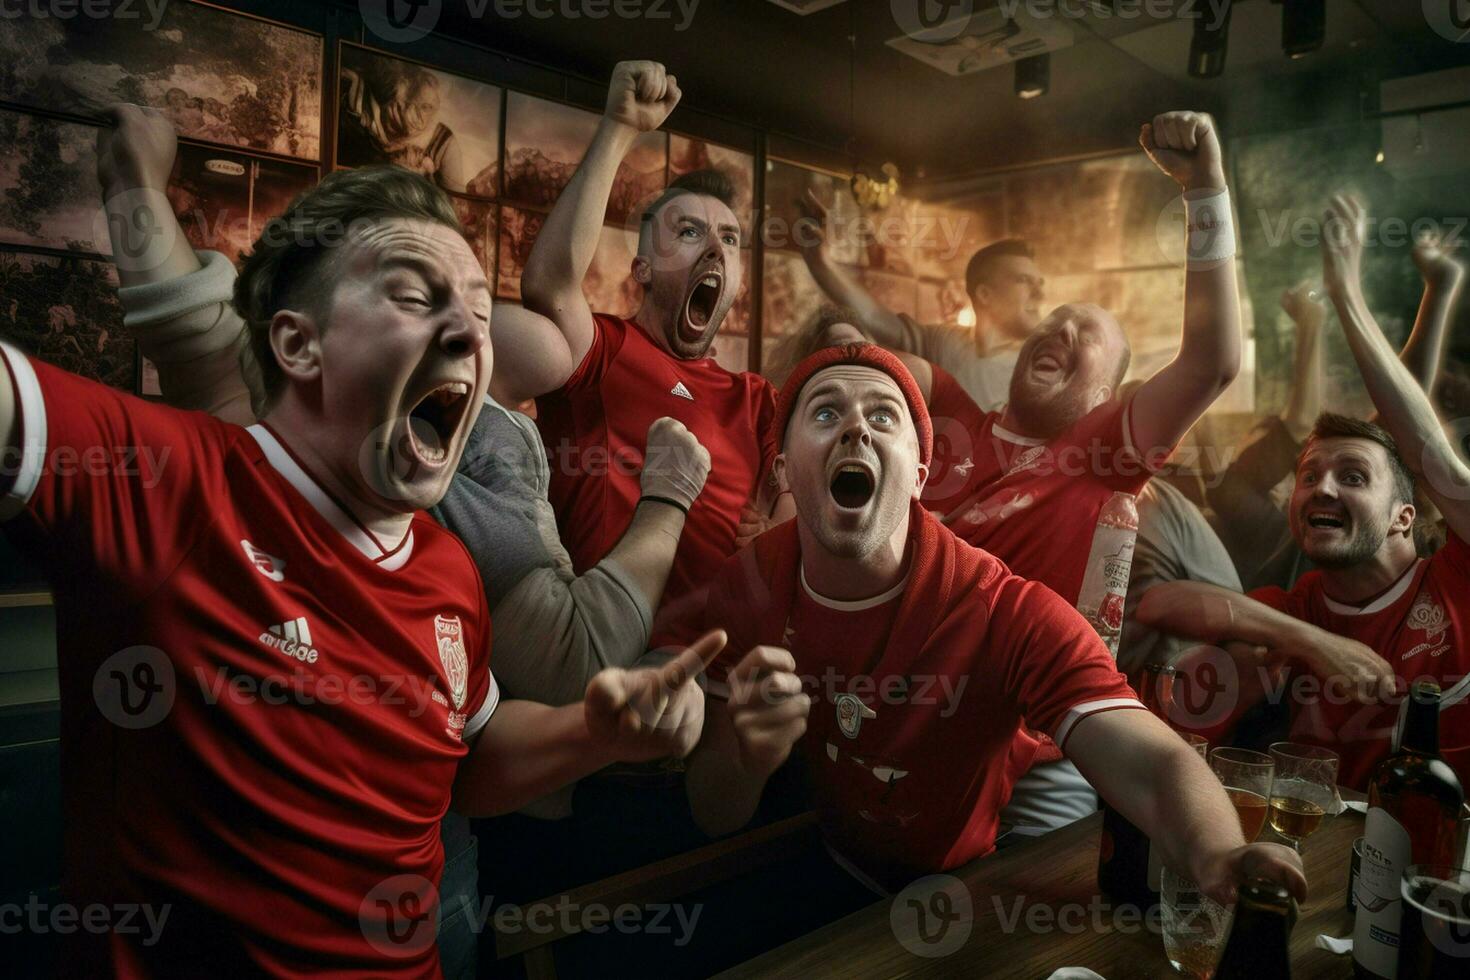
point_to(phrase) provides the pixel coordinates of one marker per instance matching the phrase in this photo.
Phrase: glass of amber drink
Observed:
(1246, 776)
(1303, 790)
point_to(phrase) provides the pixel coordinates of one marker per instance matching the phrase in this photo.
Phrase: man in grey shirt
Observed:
(1006, 292)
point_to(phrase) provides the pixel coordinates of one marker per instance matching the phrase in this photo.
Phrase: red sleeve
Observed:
(108, 484)
(729, 606)
(594, 364)
(1103, 446)
(1277, 598)
(1057, 670)
(765, 427)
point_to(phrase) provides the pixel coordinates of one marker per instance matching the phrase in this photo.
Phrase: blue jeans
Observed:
(459, 899)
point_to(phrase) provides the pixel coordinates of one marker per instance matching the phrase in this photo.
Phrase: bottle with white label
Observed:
(1414, 801)
(1105, 583)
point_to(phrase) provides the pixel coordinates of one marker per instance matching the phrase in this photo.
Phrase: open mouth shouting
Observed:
(434, 422)
(1049, 364)
(852, 485)
(1319, 519)
(700, 305)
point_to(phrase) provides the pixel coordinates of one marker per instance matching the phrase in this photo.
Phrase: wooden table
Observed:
(1036, 907)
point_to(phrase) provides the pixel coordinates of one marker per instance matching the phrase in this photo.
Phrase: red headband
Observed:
(862, 355)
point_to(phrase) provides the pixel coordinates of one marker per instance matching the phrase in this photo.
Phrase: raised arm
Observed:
(1443, 277)
(1304, 400)
(175, 305)
(1403, 407)
(1186, 147)
(810, 235)
(639, 99)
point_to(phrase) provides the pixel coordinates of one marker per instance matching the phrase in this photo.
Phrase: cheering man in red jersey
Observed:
(1343, 645)
(274, 666)
(600, 380)
(922, 657)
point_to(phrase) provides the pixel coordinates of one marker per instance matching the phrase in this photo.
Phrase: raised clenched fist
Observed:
(675, 464)
(1344, 234)
(136, 150)
(1303, 304)
(1186, 146)
(641, 95)
(1436, 261)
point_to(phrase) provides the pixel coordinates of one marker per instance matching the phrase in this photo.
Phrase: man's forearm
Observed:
(1304, 401)
(567, 242)
(124, 206)
(1424, 349)
(722, 795)
(1215, 615)
(645, 552)
(526, 751)
(1404, 409)
(844, 290)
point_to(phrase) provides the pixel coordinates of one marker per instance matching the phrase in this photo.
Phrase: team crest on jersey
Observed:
(1428, 616)
(270, 566)
(850, 714)
(1026, 460)
(449, 636)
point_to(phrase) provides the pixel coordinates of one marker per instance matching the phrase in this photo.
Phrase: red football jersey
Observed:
(263, 706)
(596, 426)
(956, 419)
(1421, 626)
(1034, 504)
(910, 738)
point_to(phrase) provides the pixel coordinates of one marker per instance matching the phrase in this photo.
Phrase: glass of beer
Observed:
(1303, 790)
(1195, 926)
(1434, 934)
(1246, 776)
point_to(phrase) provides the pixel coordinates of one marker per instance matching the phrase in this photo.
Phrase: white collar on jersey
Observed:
(389, 559)
(1001, 432)
(1394, 594)
(854, 605)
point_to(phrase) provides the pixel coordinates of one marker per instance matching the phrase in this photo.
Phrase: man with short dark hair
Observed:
(599, 380)
(1373, 617)
(266, 710)
(1005, 289)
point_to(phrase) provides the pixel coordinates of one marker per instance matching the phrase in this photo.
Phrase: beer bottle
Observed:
(1105, 583)
(1259, 947)
(1123, 853)
(1414, 802)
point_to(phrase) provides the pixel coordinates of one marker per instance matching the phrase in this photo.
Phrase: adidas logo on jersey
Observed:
(293, 639)
(681, 391)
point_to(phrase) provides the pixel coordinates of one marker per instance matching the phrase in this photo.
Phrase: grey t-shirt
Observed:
(986, 379)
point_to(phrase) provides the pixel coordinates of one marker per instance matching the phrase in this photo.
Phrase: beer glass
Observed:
(1195, 926)
(1246, 776)
(1303, 790)
(1434, 934)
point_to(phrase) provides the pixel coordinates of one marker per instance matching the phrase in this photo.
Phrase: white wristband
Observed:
(1210, 227)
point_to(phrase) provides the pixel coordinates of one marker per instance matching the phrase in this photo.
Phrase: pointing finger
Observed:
(695, 658)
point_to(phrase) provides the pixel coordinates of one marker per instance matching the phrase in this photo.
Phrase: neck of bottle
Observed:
(1421, 725)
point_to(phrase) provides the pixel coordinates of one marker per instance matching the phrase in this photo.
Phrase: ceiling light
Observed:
(1033, 75)
(1303, 26)
(1211, 37)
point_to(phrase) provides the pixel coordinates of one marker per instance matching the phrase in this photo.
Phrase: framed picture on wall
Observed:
(544, 143)
(518, 230)
(65, 311)
(480, 220)
(443, 125)
(48, 185)
(222, 77)
(222, 199)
